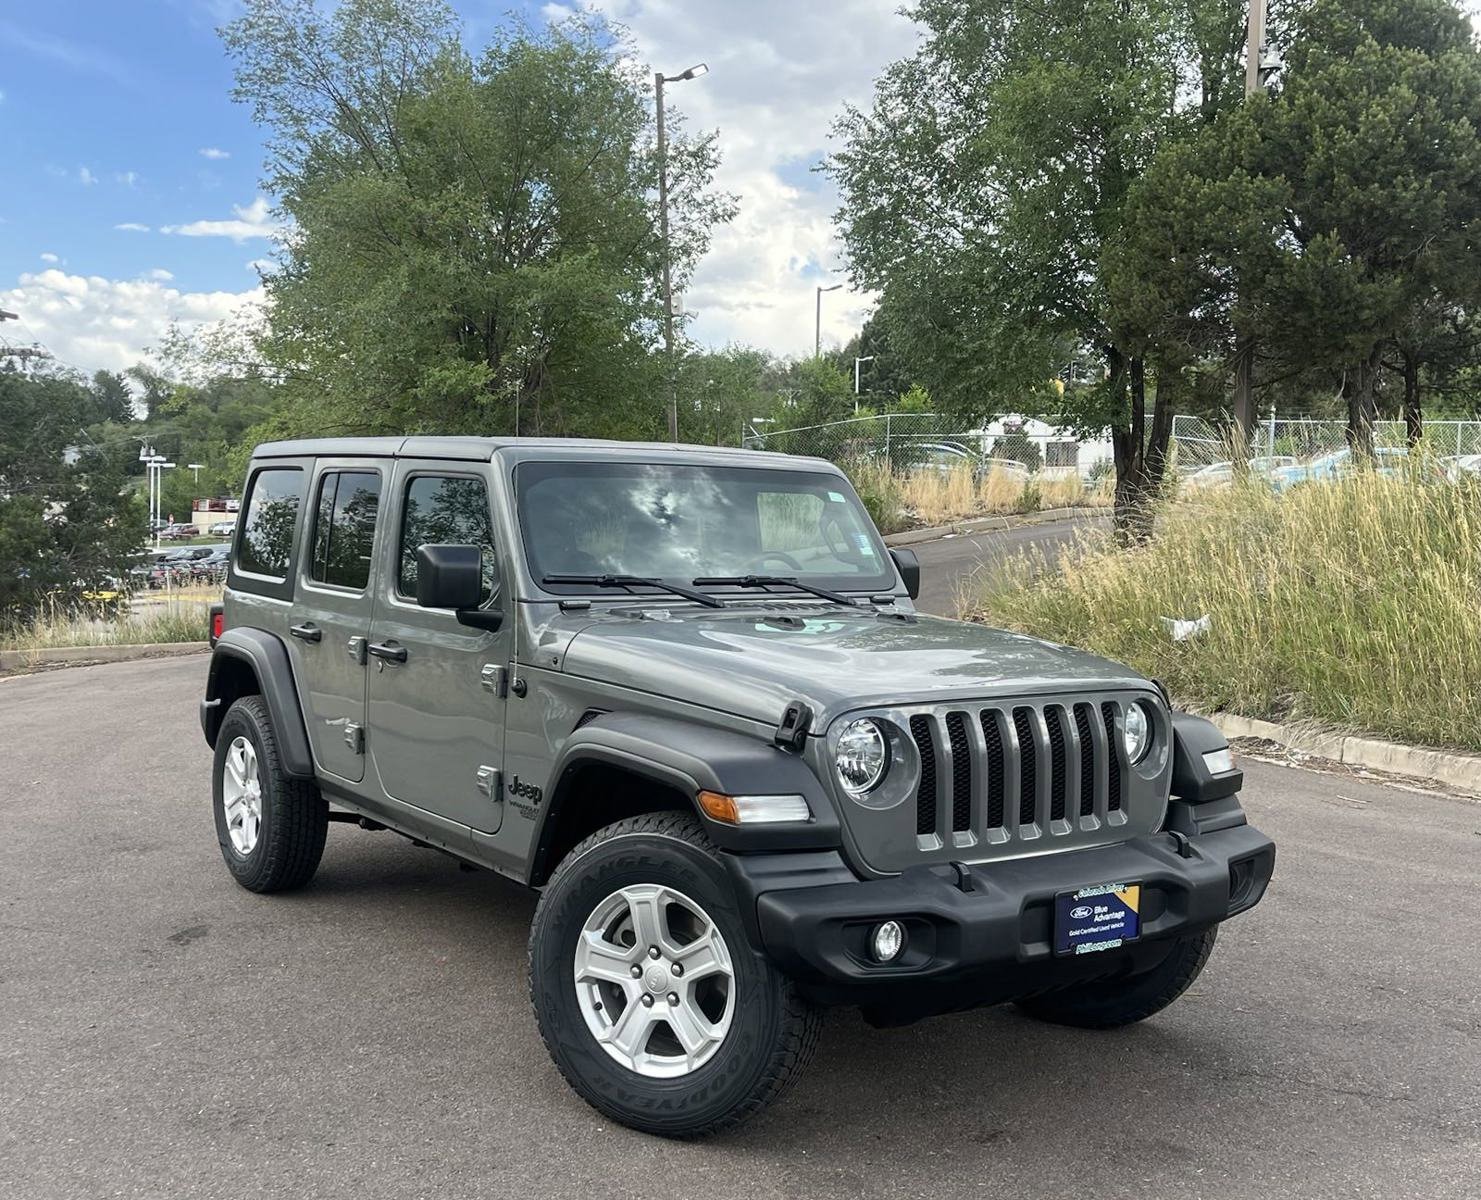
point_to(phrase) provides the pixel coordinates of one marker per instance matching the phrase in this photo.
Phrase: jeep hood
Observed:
(754, 663)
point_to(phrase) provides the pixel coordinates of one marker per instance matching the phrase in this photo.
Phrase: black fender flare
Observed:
(266, 655)
(691, 758)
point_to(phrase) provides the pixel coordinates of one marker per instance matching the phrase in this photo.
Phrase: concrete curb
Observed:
(11, 660)
(1449, 767)
(909, 537)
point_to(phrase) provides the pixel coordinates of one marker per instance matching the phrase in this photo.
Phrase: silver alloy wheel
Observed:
(654, 981)
(241, 795)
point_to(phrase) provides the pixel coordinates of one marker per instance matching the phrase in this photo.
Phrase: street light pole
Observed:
(817, 336)
(659, 79)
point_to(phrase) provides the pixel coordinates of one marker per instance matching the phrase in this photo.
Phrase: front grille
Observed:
(1017, 773)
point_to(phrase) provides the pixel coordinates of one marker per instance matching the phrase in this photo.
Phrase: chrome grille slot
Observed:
(1058, 783)
(925, 796)
(1113, 788)
(1088, 779)
(1028, 765)
(961, 772)
(995, 776)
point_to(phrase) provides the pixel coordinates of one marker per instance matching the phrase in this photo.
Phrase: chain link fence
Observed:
(1199, 443)
(910, 440)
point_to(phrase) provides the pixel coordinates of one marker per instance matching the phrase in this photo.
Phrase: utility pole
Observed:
(659, 79)
(817, 336)
(1257, 72)
(21, 354)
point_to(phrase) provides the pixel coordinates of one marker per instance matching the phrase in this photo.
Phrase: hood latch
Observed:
(791, 734)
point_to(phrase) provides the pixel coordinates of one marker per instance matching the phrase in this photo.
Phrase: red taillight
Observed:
(218, 625)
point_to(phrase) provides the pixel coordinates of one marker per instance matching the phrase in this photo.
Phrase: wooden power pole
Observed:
(1256, 73)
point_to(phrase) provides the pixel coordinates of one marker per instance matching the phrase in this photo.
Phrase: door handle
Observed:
(307, 632)
(387, 651)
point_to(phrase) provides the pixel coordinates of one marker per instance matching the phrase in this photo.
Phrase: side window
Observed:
(445, 510)
(344, 527)
(266, 545)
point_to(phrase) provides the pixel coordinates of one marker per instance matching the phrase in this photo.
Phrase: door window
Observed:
(445, 510)
(266, 545)
(344, 528)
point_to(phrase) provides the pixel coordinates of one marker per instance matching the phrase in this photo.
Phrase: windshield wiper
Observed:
(761, 581)
(632, 581)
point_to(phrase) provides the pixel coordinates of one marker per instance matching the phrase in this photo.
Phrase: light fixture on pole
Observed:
(196, 468)
(817, 333)
(659, 79)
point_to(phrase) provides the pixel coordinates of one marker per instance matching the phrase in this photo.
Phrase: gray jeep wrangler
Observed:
(684, 692)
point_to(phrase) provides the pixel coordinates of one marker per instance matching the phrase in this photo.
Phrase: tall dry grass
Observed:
(173, 619)
(901, 500)
(1355, 604)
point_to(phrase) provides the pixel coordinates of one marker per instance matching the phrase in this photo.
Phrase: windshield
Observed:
(680, 522)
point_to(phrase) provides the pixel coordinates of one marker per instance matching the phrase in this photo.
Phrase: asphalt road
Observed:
(952, 567)
(166, 1033)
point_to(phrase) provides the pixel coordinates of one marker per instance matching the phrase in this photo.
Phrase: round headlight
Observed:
(862, 757)
(1137, 732)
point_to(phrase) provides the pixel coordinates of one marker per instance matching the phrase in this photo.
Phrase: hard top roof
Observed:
(483, 449)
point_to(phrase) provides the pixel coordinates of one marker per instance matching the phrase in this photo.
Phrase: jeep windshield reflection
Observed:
(681, 522)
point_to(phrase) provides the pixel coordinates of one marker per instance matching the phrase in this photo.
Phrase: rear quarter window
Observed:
(265, 544)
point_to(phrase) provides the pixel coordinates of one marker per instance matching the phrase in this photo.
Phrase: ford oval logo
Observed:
(1080, 912)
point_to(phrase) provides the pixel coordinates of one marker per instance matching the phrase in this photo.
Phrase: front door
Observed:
(436, 686)
(331, 612)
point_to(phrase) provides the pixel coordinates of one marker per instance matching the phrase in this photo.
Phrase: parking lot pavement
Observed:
(167, 1034)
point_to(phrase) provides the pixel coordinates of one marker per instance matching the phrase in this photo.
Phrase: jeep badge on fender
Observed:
(748, 780)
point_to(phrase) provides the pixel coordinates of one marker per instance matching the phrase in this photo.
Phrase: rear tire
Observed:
(747, 1032)
(271, 826)
(1110, 1004)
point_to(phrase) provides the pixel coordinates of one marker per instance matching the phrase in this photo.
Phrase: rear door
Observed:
(437, 687)
(330, 621)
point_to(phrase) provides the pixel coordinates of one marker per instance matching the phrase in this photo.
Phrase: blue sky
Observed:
(133, 195)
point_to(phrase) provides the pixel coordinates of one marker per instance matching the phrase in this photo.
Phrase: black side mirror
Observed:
(909, 567)
(449, 576)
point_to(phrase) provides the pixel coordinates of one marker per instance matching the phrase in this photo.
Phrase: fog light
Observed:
(887, 941)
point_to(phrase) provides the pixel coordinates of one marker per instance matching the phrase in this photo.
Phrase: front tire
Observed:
(1110, 1004)
(648, 994)
(271, 826)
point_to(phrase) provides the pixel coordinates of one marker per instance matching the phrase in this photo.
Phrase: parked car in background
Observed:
(179, 532)
(946, 458)
(1221, 474)
(1462, 466)
(1389, 461)
(212, 566)
(222, 529)
(1004, 468)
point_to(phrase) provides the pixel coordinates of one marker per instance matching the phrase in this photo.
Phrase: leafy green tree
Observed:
(474, 242)
(720, 391)
(68, 522)
(980, 192)
(1334, 220)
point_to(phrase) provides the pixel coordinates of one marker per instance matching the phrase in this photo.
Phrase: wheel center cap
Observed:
(656, 978)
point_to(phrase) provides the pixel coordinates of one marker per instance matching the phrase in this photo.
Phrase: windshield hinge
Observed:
(791, 734)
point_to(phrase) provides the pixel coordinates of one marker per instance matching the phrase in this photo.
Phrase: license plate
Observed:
(1097, 918)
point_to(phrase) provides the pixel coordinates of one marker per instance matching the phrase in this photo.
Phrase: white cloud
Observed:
(90, 322)
(48, 257)
(161, 275)
(252, 221)
(127, 178)
(212, 152)
(86, 177)
(778, 78)
(132, 227)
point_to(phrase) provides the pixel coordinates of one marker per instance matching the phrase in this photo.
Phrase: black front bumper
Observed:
(985, 934)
